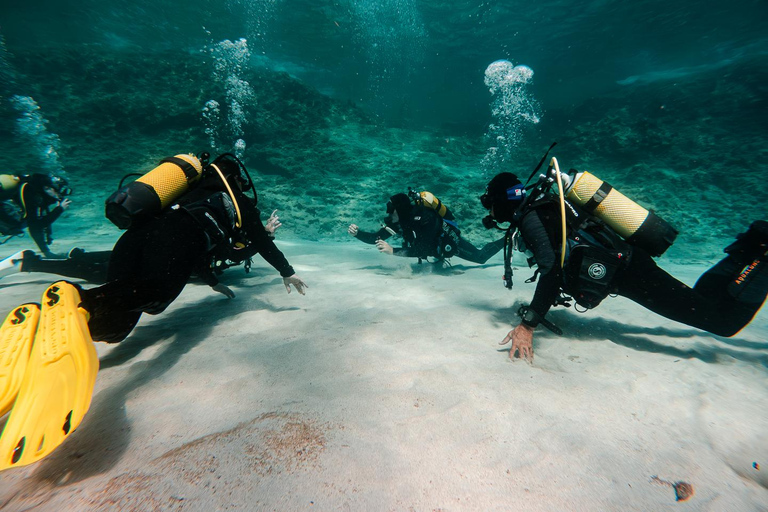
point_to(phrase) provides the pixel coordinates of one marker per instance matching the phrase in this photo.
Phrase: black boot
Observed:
(750, 245)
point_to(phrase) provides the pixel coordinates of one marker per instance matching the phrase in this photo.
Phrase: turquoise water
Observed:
(337, 105)
(385, 388)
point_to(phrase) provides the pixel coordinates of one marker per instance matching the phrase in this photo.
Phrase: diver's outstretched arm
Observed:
(368, 237)
(469, 252)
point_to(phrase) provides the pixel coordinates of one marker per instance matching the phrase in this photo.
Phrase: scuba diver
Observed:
(428, 228)
(34, 202)
(153, 260)
(179, 217)
(596, 242)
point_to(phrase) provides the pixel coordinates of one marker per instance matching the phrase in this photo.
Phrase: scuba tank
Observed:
(148, 195)
(638, 226)
(428, 200)
(8, 185)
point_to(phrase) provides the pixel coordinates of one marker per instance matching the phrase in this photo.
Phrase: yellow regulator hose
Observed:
(553, 163)
(239, 223)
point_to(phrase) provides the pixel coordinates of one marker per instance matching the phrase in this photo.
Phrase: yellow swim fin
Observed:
(16, 337)
(58, 383)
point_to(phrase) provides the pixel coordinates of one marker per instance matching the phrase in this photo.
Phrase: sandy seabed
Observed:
(384, 388)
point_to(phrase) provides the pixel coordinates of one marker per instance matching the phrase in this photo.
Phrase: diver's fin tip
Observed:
(58, 382)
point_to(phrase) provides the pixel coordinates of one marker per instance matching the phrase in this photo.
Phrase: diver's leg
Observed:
(469, 252)
(750, 245)
(743, 274)
(149, 270)
(653, 288)
(90, 266)
(114, 326)
(171, 255)
(125, 259)
(13, 263)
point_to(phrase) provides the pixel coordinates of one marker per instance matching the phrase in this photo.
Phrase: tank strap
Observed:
(452, 223)
(189, 170)
(600, 195)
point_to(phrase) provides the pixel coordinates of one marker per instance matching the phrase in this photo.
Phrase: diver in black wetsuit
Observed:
(153, 261)
(425, 233)
(28, 201)
(723, 301)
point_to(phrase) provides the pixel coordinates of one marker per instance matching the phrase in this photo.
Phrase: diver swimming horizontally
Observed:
(429, 229)
(48, 376)
(591, 242)
(34, 202)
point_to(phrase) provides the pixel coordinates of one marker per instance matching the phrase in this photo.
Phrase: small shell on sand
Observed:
(683, 490)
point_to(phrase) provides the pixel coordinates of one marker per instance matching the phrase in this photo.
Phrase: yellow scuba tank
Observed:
(430, 201)
(8, 185)
(638, 226)
(148, 195)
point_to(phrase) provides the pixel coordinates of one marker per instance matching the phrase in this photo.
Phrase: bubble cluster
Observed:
(230, 60)
(502, 74)
(258, 16)
(240, 148)
(212, 119)
(392, 36)
(31, 125)
(7, 72)
(513, 109)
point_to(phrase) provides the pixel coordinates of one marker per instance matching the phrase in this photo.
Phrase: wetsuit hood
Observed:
(503, 194)
(401, 204)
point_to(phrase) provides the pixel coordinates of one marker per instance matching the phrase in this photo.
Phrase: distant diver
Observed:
(48, 374)
(34, 202)
(589, 241)
(429, 230)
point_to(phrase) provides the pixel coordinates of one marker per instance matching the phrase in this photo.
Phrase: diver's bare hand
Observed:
(65, 203)
(522, 342)
(384, 247)
(273, 223)
(224, 290)
(295, 281)
(352, 229)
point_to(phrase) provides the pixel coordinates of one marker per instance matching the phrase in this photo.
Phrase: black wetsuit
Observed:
(708, 305)
(90, 266)
(30, 206)
(151, 263)
(421, 231)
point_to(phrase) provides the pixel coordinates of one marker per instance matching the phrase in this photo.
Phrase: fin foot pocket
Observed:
(57, 387)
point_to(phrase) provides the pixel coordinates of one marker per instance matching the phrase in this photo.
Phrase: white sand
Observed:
(385, 389)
